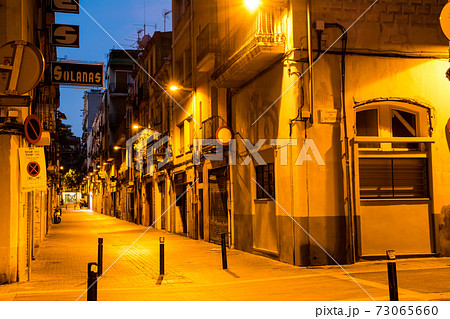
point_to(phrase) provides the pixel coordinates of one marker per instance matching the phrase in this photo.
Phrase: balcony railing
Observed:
(243, 56)
(207, 41)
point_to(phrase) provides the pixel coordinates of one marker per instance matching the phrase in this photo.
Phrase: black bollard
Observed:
(100, 257)
(224, 252)
(92, 282)
(161, 255)
(392, 275)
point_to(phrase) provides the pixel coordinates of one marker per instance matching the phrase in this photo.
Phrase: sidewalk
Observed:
(194, 270)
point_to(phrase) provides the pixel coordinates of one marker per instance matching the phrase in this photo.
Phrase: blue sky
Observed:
(122, 20)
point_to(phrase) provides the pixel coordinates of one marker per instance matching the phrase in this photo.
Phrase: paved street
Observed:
(194, 270)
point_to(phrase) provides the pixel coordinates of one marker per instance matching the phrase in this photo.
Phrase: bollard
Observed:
(161, 255)
(92, 282)
(392, 275)
(224, 252)
(100, 257)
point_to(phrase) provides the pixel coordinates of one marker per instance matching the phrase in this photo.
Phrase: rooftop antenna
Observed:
(165, 13)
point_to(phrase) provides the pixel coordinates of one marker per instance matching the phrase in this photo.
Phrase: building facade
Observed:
(25, 216)
(338, 113)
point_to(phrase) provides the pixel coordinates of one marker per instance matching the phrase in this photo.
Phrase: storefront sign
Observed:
(65, 35)
(67, 6)
(81, 74)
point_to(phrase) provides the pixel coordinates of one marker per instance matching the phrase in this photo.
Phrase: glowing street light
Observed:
(252, 4)
(175, 88)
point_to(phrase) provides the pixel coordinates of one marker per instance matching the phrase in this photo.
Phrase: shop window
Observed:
(393, 178)
(265, 176)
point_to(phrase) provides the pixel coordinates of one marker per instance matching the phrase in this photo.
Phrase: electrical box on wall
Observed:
(10, 115)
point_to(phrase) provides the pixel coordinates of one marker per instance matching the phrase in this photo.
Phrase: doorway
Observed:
(218, 203)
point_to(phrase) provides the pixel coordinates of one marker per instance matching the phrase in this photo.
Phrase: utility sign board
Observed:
(33, 172)
(66, 35)
(67, 6)
(80, 74)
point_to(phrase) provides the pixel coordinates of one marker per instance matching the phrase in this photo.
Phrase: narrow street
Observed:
(194, 270)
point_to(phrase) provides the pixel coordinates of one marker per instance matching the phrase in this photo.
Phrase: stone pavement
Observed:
(194, 270)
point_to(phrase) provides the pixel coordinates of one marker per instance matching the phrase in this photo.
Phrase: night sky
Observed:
(122, 20)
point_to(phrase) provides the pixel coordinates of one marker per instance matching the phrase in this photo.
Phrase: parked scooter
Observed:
(57, 216)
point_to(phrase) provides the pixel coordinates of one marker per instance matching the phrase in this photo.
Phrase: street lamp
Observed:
(116, 148)
(61, 168)
(175, 88)
(252, 5)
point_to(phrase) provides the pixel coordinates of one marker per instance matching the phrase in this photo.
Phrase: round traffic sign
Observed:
(33, 129)
(224, 135)
(445, 20)
(33, 169)
(22, 67)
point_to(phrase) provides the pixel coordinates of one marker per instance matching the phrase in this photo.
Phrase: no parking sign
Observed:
(33, 172)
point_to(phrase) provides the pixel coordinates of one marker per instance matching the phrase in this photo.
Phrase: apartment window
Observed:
(404, 124)
(367, 125)
(181, 139)
(188, 63)
(265, 176)
(395, 169)
(393, 178)
(179, 70)
(178, 9)
(387, 121)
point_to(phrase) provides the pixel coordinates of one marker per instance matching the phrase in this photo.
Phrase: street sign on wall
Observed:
(33, 129)
(21, 67)
(33, 172)
(67, 6)
(66, 35)
(80, 74)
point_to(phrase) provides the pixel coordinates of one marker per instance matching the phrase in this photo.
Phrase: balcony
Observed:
(207, 45)
(119, 87)
(263, 45)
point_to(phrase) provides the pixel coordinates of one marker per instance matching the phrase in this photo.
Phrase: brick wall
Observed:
(394, 22)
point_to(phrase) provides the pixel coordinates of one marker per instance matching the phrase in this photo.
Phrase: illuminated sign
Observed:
(67, 6)
(65, 35)
(81, 74)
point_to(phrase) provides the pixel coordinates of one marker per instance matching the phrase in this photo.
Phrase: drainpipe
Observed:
(351, 256)
(310, 62)
(311, 116)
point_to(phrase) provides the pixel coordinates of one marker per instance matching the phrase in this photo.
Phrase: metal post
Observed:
(392, 275)
(100, 257)
(224, 252)
(92, 282)
(161, 255)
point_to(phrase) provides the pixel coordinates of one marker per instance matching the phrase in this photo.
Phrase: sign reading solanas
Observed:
(81, 74)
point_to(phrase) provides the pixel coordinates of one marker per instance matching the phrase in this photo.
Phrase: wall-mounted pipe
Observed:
(310, 62)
